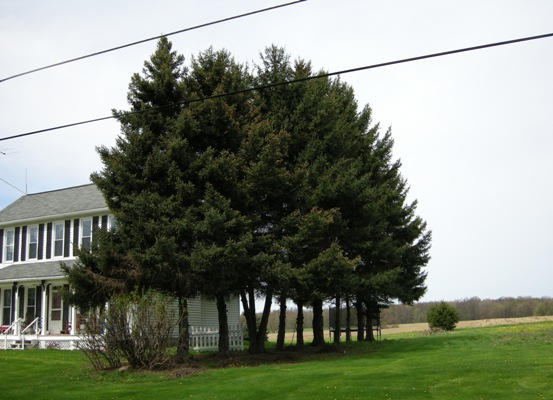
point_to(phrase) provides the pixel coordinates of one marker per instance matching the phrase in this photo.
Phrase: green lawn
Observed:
(507, 362)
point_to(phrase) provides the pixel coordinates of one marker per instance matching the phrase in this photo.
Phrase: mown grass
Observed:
(507, 362)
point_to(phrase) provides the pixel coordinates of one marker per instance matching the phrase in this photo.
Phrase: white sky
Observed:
(474, 131)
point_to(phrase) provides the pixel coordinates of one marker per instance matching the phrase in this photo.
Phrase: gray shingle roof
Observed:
(53, 203)
(36, 270)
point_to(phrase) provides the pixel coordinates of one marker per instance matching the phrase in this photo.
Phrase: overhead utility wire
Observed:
(309, 78)
(9, 184)
(152, 38)
(47, 205)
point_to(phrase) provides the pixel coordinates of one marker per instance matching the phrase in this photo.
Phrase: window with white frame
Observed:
(86, 233)
(31, 305)
(58, 239)
(56, 306)
(112, 222)
(33, 242)
(9, 241)
(7, 307)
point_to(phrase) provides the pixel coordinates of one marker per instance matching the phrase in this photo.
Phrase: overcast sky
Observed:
(474, 131)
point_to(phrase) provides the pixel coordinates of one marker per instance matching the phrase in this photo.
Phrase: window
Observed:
(9, 249)
(58, 239)
(55, 311)
(7, 307)
(33, 242)
(31, 306)
(112, 223)
(86, 233)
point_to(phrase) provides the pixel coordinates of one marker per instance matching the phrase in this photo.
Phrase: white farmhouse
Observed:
(40, 230)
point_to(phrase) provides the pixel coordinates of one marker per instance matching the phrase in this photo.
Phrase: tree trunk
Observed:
(360, 320)
(348, 319)
(370, 314)
(249, 314)
(337, 321)
(299, 325)
(257, 334)
(262, 330)
(318, 323)
(281, 324)
(224, 345)
(183, 343)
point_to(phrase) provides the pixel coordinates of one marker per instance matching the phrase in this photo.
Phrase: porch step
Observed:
(16, 344)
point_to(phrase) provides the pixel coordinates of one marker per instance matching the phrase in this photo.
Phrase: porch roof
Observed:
(33, 271)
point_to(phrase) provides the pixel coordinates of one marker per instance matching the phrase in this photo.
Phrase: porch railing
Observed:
(202, 338)
(11, 331)
(206, 338)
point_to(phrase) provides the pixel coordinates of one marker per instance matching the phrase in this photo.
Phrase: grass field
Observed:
(501, 362)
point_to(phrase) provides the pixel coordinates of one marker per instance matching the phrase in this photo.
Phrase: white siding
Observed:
(194, 311)
(203, 312)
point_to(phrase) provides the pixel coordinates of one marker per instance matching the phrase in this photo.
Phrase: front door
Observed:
(56, 307)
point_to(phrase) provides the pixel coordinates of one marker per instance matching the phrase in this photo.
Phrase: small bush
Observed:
(140, 327)
(442, 315)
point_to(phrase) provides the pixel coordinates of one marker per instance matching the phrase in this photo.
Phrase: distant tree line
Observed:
(472, 309)
(469, 309)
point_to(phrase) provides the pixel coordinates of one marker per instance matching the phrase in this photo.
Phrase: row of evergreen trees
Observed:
(288, 191)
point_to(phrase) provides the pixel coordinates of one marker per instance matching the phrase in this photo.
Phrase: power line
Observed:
(325, 75)
(9, 184)
(33, 198)
(150, 39)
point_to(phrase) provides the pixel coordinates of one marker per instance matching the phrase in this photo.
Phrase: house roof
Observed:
(54, 203)
(33, 271)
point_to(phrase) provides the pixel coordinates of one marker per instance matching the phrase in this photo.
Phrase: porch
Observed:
(19, 337)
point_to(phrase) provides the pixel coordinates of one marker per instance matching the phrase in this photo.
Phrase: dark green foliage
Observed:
(171, 180)
(442, 315)
(288, 191)
(348, 195)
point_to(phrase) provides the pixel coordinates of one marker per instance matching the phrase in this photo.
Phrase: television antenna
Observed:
(5, 152)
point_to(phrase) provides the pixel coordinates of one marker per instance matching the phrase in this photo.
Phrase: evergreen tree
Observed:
(171, 179)
(346, 180)
(145, 181)
(216, 129)
(289, 191)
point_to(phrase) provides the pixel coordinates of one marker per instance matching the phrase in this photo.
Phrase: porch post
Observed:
(16, 308)
(44, 309)
(73, 320)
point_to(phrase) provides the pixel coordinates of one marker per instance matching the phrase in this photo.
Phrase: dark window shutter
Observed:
(16, 244)
(21, 295)
(23, 243)
(49, 240)
(67, 238)
(76, 233)
(40, 241)
(95, 222)
(1, 245)
(38, 301)
(104, 222)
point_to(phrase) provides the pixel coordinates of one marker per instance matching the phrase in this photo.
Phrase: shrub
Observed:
(442, 315)
(140, 327)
